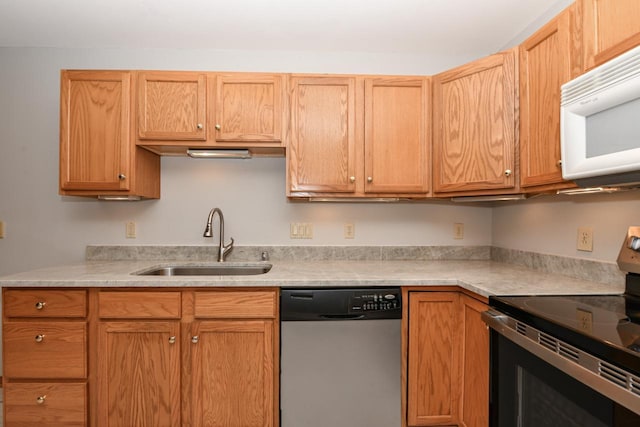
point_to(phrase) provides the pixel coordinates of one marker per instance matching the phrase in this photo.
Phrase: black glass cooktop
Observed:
(607, 326)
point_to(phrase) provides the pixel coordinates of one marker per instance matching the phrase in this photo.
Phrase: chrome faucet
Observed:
(222, 249)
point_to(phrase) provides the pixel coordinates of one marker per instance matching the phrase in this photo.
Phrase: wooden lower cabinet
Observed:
(447, 360)
(45, 404)
(139, 374)
(232, 373)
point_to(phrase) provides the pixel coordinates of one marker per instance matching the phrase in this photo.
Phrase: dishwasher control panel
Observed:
(375, 301)
(340, 303)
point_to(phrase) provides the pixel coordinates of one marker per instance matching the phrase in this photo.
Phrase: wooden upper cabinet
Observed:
(98, 155)
(322, 145)
(171, 106)
(396, 135)
(95, 130)
(474, 126)
(611, 27)
(248, 107)
(548, 59)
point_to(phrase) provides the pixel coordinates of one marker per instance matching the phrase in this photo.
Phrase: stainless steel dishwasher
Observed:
(340, 360)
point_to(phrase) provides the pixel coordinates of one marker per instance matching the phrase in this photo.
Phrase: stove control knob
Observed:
(634, 243)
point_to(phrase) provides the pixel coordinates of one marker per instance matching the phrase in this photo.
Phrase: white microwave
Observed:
(600, 124)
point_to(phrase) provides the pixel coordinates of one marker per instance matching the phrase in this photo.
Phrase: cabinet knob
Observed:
(369, 179)
(218, 127)
(122, 176)
(40, 305)
(507, 172)
(559, 163)
(352, 179)
(199, 126)
(40, 399)
(172, 340)
(39, 338)
(194, 339)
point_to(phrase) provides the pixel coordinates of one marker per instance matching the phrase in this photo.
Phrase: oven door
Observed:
(527, 391)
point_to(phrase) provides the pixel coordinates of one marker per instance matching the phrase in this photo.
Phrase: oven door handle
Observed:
(574, 362)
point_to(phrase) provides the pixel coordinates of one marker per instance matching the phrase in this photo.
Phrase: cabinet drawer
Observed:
(45, 350)
(50, 404)
(139, 305)
(241, 304)
(45, 303)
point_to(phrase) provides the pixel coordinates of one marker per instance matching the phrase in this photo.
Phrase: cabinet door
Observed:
(611, 27)
(233, 373)
(171, 106)
(138, 374)
(396, 113)
(322, 148)
(94, 130)
(248, 108)
(547, 60)
(434, 359)
(474, 122)
(475, 365)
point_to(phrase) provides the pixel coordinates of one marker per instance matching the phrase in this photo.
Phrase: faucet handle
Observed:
(227, 248)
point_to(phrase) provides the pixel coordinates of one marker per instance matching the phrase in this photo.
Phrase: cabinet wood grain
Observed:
(45, 303)
(322, 147)
(233, 373)
(139, 305)
(139, 371)
(95, 130)
(235, 304)
(39, 349)
(434, 359)
(475, 126)
(396, 135)
(171, 106)
(546, 62)
(60, 404)
(248, 107)
(475, 364)
(611, 27)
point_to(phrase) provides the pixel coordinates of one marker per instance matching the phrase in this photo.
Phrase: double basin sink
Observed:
(219, 269)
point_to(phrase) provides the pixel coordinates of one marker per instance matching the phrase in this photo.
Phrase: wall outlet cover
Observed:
(585, 239)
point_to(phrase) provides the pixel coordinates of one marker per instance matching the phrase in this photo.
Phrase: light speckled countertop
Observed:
(482, 277)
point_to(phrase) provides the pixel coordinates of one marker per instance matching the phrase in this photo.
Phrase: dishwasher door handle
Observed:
(342, 316)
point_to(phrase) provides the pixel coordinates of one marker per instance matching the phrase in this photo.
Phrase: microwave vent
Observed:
(622, 68)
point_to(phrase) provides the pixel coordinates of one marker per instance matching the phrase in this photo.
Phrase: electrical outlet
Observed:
(585, 239)
(458, 231)
(349, 231)
(301, 230)
(585, 320)
(1, 229)
(130, 230)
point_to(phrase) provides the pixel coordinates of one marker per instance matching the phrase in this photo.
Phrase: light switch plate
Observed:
(458, 231)
(301, 230)
(130, 230)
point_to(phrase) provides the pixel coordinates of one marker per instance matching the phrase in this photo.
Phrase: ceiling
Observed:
(430, 27)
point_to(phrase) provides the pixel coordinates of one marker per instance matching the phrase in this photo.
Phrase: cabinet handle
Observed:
(172, 340)
(39, 338)
(369, 179)
(352, 179)
(40, 305)
(199, 126)
(218, 127)
(40, 399)
(122, 176)
(194, 339)
(507, 172)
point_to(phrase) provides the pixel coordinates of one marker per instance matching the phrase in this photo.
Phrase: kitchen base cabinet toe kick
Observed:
(143, 358)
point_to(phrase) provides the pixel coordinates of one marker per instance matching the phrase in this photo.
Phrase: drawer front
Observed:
(241, 304)
(139, 305)
(45, 350)
(47, 404)
(45, 303)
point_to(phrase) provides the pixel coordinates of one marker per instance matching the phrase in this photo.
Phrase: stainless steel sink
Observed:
(222, 269)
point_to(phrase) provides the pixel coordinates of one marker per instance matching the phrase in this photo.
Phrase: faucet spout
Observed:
(223, 249)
